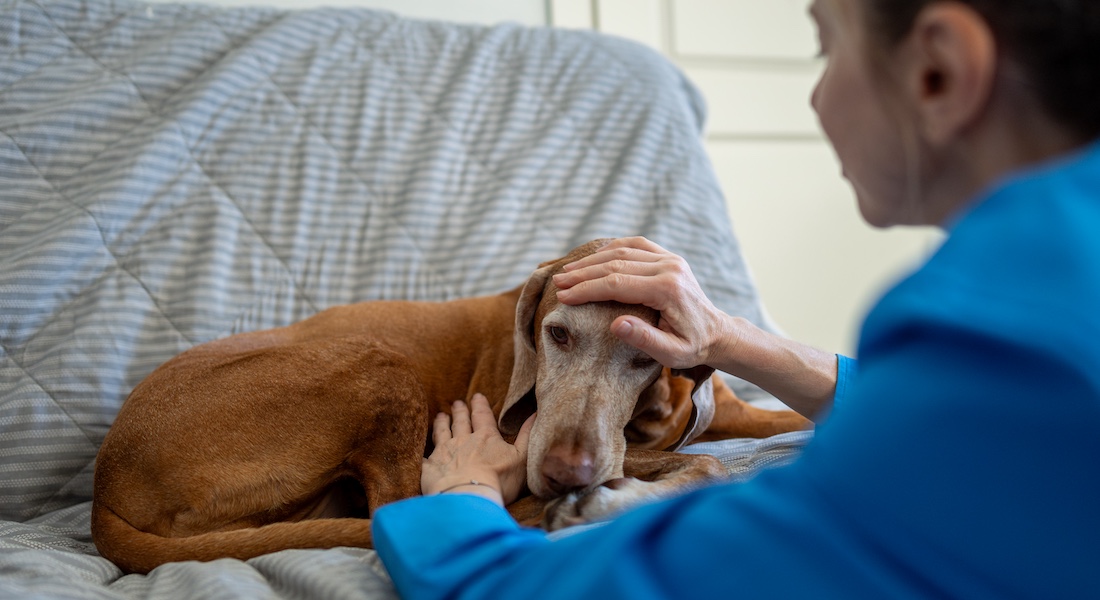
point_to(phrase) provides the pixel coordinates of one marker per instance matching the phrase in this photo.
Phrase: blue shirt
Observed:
(964, 460)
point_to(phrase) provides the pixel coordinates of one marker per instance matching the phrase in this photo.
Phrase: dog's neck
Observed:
(465, 349)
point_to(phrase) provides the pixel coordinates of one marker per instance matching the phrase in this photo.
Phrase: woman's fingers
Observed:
(482, 414)
(464, 419)
(630, 270)
(618, 286)
(635, 243)
(441, 428)
(460, 419)
(524, 436)
(616, 251)
(663, 346)
(628, 265)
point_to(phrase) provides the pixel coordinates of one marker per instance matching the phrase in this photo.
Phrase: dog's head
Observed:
(585, 384)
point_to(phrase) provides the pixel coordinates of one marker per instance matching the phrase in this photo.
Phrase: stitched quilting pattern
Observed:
(171, 174)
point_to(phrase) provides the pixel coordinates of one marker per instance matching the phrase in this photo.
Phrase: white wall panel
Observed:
(639, 20)
(754, 101)
(743, 28)
(573, 14)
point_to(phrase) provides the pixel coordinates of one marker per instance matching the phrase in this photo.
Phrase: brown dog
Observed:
(268, 440)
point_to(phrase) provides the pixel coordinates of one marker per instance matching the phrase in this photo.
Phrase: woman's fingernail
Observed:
(624, 329)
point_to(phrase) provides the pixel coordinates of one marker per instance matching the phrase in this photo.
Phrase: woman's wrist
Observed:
(463, 484)
(476, 488)
(725, 347)
(801, 376)
(485, 486)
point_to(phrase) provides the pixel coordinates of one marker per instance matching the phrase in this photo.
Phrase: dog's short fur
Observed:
(268, 440)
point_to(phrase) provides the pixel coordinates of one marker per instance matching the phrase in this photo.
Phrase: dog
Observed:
(270, 440)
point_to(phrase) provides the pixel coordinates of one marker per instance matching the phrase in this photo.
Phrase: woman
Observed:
(960, 458)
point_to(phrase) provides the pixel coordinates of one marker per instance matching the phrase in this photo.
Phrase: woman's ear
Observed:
(953, 68)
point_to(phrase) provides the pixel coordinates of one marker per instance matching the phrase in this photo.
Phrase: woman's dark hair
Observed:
(1055, 42)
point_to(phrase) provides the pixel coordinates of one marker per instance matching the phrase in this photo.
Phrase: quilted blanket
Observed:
(172, 174)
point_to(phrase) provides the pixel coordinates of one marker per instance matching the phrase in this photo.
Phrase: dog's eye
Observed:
(642, 362)
(559, 334)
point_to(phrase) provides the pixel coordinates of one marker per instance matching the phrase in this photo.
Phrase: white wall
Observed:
(818, 266)
(530, 12)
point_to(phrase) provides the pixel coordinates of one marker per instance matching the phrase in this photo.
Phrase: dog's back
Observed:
(324, 418)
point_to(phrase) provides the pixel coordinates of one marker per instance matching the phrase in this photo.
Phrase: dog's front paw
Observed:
(603, 502)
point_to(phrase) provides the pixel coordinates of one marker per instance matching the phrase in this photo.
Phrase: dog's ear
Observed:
(519, 403)
(702, 401)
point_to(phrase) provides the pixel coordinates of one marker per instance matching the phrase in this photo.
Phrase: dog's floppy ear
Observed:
(519, 403)
(702, 401)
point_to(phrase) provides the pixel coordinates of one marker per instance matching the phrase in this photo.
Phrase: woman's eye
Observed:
(559, 334)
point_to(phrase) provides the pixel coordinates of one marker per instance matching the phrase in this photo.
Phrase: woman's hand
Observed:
(691, 330)
(468, 447)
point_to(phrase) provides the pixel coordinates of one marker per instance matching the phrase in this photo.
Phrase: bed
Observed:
(172, 174)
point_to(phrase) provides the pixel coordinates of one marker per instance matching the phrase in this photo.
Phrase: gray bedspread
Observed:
(171, 174)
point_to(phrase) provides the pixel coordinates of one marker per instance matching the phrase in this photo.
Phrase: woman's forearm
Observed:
(802, 377)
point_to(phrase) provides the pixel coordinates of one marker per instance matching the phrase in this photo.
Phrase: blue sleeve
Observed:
(433, 544)
(941, 477)
(845, 373)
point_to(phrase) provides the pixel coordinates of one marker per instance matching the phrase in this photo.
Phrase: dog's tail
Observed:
(136, 551)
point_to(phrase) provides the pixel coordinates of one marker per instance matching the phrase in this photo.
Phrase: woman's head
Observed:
(1054, 43)
(928, 101)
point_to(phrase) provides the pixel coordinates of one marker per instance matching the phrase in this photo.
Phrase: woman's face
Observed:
(867, 139)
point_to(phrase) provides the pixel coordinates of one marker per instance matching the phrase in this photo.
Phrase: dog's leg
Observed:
(649, 475)
(384, 465)
(528, 510)
(735, 418)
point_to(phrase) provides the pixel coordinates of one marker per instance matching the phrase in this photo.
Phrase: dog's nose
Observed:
(565, 471)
